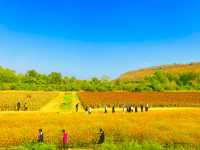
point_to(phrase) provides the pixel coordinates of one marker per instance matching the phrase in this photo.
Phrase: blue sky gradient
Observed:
(95, 38)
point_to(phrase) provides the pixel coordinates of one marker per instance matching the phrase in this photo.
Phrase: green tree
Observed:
(95, 80)
(55, 78)
(32, 73)
(185, 79)
(7, 75)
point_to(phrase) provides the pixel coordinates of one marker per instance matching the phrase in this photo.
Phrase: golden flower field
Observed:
(163, 125)
(175, 126)
(34, 100)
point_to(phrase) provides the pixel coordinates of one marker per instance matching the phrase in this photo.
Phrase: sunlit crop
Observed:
(165, 126)
(34, 100)
(180, 99)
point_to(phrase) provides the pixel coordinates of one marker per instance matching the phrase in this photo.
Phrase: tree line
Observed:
(159, 81)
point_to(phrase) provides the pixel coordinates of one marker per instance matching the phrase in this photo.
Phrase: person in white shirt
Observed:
(89, 110)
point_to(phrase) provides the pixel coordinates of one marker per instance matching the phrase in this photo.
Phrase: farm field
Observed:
(34, 100)
(179, 126)
(154, 99)
(165, 126)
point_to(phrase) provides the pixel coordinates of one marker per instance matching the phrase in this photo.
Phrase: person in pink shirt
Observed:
(65, 139)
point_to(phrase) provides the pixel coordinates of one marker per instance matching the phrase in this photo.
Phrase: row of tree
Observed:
(159, 81)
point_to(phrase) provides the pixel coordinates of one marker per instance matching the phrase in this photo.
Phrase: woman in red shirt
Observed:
(65, 139)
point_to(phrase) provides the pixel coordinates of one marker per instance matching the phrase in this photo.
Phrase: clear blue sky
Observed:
(88, 38)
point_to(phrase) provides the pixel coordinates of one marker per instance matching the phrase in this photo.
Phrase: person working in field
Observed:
(18, 105)
(142, 107)
(65, 139)
(136, 108)
(124, 108)
(77, 107)
(101, 137)
(86, 108)
(89, 110)
(147, 107)
(128, 108)
(132, 108)
(40, 136)
(106, 109)
(113, 109)
(25, 106)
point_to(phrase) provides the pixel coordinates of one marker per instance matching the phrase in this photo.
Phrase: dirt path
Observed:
(54, 105)
(71, 99)
(75, 100)
(64, 102)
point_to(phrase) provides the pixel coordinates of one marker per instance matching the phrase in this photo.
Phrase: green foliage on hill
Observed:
(158, 81)
(172, 68)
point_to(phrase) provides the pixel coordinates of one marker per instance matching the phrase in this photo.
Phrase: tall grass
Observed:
(147, 145)
(110, 145)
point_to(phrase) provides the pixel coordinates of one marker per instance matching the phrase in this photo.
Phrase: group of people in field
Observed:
(134, 108)
(125, 108)
(22, 107)
(87, 109)
(65, 138)
(129, 108)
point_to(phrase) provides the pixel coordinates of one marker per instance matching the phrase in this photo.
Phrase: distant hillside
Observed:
(175, 68)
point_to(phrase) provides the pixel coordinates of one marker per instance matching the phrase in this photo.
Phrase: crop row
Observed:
(179, 99)
(165, 127)
(33, 100)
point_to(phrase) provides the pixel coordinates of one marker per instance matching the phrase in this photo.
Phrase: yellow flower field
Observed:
(56, 111)
(179, 126)
(34, 99)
